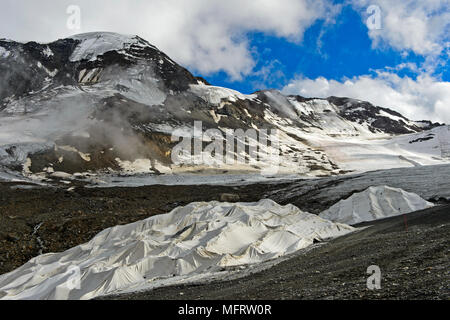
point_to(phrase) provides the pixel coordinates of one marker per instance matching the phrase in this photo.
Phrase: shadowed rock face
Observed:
(126, 98)
(29, 64)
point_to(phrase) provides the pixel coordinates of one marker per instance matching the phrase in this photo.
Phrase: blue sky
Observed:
(337, 51)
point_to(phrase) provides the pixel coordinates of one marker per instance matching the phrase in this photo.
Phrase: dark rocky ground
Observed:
(414, 263)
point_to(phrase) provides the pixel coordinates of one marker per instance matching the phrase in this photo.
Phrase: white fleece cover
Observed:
(375, 203)
(199, 238)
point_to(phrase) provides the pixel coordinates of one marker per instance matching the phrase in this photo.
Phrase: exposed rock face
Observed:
(189, 242)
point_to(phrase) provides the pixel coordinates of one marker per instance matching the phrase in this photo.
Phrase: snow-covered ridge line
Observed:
(129, 98)
(198, 239)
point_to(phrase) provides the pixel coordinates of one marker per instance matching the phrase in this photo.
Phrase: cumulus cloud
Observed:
(412, 25)
(207, 36)
(423, 98)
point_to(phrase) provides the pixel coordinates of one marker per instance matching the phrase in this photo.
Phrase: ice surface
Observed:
(97, 43)
(137, 180)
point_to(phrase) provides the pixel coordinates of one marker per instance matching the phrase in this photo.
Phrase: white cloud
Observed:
(416, 25)
(423, 98)
(205, 35)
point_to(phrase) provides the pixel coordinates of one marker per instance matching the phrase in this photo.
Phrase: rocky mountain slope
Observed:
(107, 103)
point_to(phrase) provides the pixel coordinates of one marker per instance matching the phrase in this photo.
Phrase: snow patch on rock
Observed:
(48, 52)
